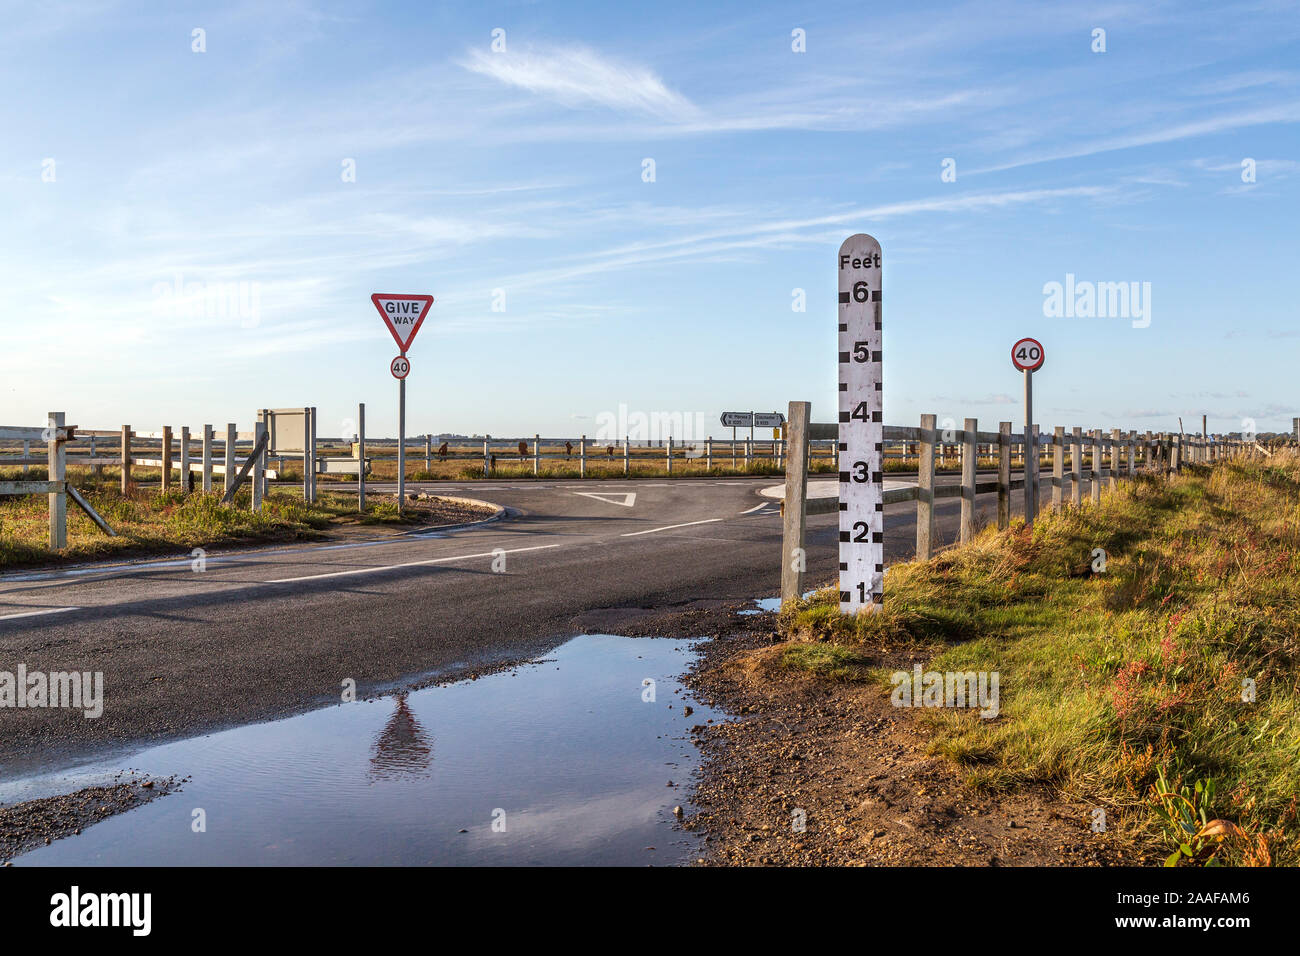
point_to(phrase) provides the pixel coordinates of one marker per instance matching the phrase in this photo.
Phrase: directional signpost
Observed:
(751, 420)
(403, 314)
(734, 420)
(862, 529)
(1027, 355)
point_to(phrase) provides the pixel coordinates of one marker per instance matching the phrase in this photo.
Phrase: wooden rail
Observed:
(1162, 452)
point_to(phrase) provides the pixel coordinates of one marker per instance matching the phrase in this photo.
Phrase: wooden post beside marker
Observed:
(968, 458)
(794, 511)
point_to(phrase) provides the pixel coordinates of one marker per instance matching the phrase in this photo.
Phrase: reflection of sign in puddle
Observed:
(571, 747)
(401, 748)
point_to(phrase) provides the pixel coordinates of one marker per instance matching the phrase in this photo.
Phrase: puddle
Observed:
(762, 605)
(564, 749)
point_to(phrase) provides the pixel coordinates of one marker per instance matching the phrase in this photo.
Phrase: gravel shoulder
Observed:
(856, 767)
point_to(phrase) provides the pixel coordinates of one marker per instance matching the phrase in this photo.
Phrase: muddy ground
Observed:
(857, 768)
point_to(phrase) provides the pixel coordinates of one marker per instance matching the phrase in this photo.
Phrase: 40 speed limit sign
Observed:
(400, 367)
(1027, 355)
(861, 428)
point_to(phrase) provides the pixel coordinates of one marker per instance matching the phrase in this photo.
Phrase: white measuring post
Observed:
(861, 427)
(403, 314)
(1027, 355)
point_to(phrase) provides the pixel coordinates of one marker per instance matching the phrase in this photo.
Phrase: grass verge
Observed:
(149, 522)
(1162, 689)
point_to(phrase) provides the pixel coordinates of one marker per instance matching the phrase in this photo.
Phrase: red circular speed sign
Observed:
(1027, 355)
(400, 367)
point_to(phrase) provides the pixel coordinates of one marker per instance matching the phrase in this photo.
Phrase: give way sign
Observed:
(403, 315)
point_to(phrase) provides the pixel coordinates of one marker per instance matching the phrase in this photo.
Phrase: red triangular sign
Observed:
(403, 315)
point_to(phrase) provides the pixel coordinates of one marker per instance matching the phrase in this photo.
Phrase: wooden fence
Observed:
(173, 453)
(1110, 456)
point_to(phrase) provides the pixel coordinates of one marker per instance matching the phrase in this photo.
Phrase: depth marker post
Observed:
(861, 427)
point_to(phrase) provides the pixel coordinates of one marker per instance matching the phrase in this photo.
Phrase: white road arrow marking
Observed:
(629, 498)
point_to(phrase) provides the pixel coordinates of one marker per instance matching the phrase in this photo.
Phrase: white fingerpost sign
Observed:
(862, 517)
(403, 314)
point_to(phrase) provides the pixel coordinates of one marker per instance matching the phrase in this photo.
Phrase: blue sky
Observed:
(521, 171)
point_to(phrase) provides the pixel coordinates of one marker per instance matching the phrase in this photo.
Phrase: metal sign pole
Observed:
(401, 443)
(1031, 453)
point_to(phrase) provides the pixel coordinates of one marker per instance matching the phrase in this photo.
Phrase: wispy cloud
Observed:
(578, 76)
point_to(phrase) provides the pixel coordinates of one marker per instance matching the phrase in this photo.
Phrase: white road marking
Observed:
(629, 497)
(410, 564)
(53, 610)
(756, 508)
(633, 534)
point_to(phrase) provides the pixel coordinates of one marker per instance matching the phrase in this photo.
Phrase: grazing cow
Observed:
(568, 449)
(610, 449)
(523, 449)
(442, 452)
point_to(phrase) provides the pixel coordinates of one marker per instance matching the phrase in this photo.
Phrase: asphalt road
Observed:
(269, 632)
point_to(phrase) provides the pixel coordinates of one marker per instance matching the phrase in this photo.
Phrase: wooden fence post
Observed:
(968, 457)
(186, 485)
(487, 460)
(1076, 467)
(1095, 474)
(311, 458)
(925, 490)
(669, 459)
(627, 455)
(794, 510)
(259, 466)
(57, 462)
(537, 454)
(361, 457)
(1004, 475)
(166, 457)
(582, 457)
(306, 447)
(126, 458)
(27, 453)
(1031, 473)
(1132, 440)
(207, 459)
(1058, 466)
(708, 454)
(1114, 458)
(230, 457)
